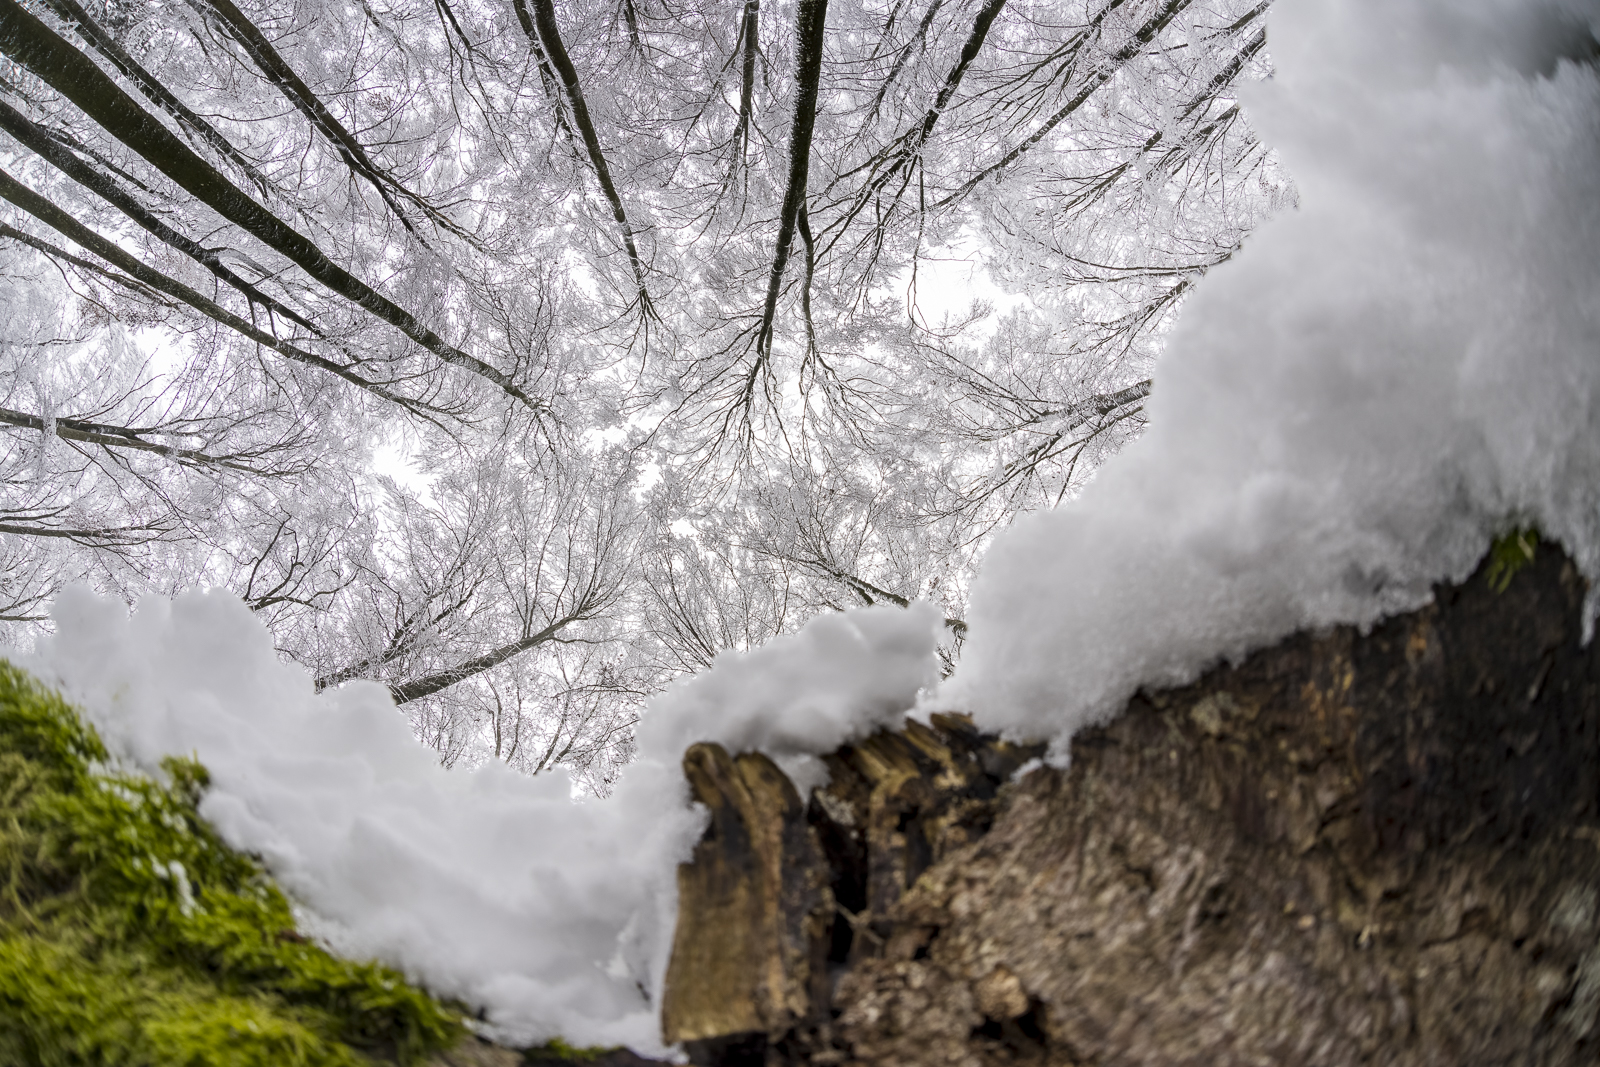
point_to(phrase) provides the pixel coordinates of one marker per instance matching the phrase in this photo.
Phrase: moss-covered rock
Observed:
(130, 934)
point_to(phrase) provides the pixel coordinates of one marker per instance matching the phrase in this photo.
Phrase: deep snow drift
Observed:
(1348, 411)
(1373, 387)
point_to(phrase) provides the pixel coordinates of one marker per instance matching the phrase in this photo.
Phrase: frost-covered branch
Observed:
(33, 45)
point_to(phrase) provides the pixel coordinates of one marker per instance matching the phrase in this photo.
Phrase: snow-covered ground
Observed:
(1349, 410)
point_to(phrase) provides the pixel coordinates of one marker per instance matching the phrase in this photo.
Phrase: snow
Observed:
(554, 915)
(1360, 399)
(839, 678)
(1349, 410)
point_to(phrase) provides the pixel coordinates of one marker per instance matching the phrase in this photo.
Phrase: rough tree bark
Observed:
(1377, 848)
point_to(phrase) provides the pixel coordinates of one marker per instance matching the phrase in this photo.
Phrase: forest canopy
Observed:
(523, 356)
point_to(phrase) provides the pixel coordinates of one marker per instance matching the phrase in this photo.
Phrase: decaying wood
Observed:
(1377, 848)
(756, 906)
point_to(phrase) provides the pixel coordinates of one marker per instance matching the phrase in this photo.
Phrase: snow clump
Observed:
(1371, 389)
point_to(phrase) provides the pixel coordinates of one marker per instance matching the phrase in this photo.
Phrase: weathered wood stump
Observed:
(1352, 848)
(754, 908)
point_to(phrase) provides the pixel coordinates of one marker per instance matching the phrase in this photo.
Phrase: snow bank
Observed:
(1364, 395)
(556, 916)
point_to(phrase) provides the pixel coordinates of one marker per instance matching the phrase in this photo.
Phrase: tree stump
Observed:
(1351, 848)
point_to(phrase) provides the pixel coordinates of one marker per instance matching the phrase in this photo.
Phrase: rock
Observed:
(473, 1051)
(1351, 848)
(563, 1057)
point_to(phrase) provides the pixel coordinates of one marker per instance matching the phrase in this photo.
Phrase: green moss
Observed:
(1509, 554)
(558, 1051)
(131, 935)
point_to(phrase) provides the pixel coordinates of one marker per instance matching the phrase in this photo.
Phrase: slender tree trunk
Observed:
(140, 274)
(810, 21)
(33, 45)
(549, 34)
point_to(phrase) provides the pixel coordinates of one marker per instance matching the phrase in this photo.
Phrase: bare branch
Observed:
(48, 213)
(106, 436)
(298, 93)
(433, 683)
(1102, 74)
(549, 34)
(36, 47)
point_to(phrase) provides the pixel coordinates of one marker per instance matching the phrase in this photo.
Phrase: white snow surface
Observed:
(1373, 387)
(555, 915)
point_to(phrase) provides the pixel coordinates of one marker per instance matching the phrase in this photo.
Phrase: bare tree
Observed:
(655, 297)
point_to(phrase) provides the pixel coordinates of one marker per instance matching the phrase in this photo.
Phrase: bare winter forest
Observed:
(523, 356)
